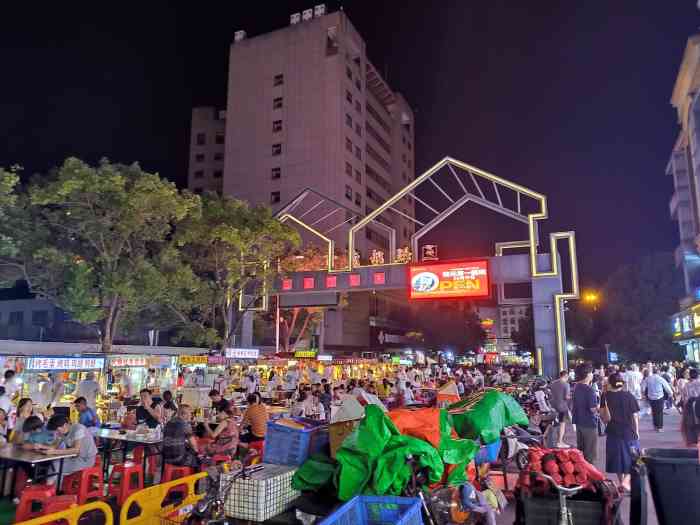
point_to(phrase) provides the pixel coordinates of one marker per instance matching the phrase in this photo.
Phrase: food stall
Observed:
(195, 391)
(157, 372)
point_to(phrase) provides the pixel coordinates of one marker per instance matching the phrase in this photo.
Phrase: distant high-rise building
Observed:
(307, 109)
(684, 167)
(207, 148)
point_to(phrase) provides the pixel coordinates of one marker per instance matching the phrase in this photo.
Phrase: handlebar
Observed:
(567, 491)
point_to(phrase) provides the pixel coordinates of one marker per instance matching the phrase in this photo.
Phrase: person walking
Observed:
(620, 411)
(657, 390)
(690, 403)
(561, 394)
(633, 381)
(585, 413)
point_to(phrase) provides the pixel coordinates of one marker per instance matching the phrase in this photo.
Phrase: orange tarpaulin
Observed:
(449, 393)
(423, 423)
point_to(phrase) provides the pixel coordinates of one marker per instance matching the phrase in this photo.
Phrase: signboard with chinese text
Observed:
(215, 360)
(242, 353)
(305, 354)
(65, 363)
(449, 280)
(124, 361)
(325, 358)
(193, 360)
(687, 323)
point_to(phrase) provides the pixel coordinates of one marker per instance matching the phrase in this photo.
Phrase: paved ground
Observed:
(671, 438)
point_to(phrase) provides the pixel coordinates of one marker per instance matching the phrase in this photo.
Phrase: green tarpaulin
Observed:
(488, 417)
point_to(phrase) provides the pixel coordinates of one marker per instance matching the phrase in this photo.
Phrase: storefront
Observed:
(158, 373)
(685, 330)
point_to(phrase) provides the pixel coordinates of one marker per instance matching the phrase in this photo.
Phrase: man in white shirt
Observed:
(12, 384)
(633, 381)
(89, 388)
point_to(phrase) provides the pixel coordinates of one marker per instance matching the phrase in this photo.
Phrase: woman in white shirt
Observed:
(5, 402)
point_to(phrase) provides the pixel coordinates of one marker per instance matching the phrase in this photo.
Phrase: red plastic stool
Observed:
(152, 462)
(57, 504)
(125, 480)
(173, 472)
(86, 484)
(31, 495)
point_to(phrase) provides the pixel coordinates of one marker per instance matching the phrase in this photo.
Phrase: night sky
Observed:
(568, 98)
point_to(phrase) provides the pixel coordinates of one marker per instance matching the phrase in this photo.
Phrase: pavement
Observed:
(649, 438)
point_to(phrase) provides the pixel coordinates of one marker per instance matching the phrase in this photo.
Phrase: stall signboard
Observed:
(305, 354)
(160, 361)
(324, 358)
(696, 318)
(65, 363)
(242, 353)
(395, 360)
(687, 323)
(128, 361)
(193, 360)
(449, 280)
(405, 362)
(215, 360)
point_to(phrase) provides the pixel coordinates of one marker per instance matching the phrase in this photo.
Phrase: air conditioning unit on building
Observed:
(319, 10)
(295, 18)
(307, 14)
(239, 35)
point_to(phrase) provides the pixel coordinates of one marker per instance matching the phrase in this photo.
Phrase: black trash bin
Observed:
(674, 478)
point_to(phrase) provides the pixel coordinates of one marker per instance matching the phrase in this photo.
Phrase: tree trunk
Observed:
(290, 328)
(303, 328)
(109, 325)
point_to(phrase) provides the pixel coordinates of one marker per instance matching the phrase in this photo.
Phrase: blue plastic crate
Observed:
(291, 446)
(488, 453)
(377, 510)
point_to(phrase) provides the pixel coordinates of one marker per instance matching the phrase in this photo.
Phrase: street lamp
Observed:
(591, 298)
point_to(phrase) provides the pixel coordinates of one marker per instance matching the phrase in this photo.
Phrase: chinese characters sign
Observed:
(242, 353)
(449, 280)
(193, 359)
(65, 363)
(125, 361)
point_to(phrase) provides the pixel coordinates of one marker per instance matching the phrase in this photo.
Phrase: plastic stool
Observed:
(34, 494)
(173, 472)
(86, 484)
(217, 459)
(57, 504)
(138, 458)
(125, 480)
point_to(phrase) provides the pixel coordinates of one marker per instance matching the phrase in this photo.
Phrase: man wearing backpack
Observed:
(690, 397)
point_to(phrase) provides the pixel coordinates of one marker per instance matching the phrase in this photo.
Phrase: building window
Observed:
(348, 145)
(410, 147)
(199, 174)
(201, 139)
(218, 174)
(358, 152)
(358, 129)
(276, 126)
(348, 169)
(403, 175)
(278, 80)
(358, 84)
(40, 318)
(274, 197)
(348, 120)
(199, 157)
(403, 157)
(358, 106)
(358, 176)
(218, 156)
(277, 149)
(276, 173)
(348, 96)
(348, 192)
(16, 318)
(410, 164)
(405, 233)
(348, 72)
(277, 103)
(358, 199)
(220, 138)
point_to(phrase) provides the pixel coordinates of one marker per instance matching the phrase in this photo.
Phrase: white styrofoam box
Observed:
(266, 494)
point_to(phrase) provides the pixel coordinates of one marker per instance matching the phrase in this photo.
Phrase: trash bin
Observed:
(674, 479)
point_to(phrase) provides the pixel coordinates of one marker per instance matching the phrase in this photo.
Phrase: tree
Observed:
(524, 336)
(88, 238)
(639, 298)
(227, 249)
(581, 326)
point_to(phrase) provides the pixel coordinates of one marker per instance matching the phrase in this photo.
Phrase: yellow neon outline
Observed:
(331, 252)
(263, 307)
(532, 242)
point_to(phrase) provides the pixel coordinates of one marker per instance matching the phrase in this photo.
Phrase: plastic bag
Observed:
(485, 421)
(316, 472)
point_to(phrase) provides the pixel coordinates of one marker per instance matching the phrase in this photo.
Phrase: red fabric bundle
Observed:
(551, 467)
(567, 467)
(569, 480)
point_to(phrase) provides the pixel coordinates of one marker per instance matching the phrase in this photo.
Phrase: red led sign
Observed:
(309, 283)
(379, 278)
(331, 281)
(449, 280)
(354, 279)
(287, 284)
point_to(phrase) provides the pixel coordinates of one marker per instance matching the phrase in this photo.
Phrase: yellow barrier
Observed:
(150, 501)
(73, 514)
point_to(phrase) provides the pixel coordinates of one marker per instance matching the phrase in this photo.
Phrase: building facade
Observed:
(684, 168)
(307, 109)
(207, 149)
